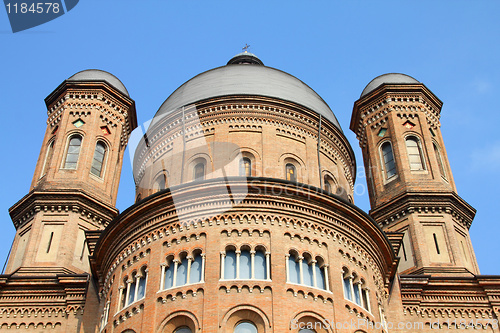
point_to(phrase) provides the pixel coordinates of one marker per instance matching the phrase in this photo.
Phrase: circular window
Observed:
(245, 327)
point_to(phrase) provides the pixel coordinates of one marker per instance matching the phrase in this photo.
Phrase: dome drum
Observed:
(319, 229)
(246, 127)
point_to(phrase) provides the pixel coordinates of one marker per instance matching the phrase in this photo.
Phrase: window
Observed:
(135, 288)
(187, 270)
(388, 160)
(328, 184)
(160, 183)
(355, 290)
(414, 153)
(199, 171)
(291, 173)
(307, 271)
(439, 160)
(245, 327)
(245, 264)
(306, 330)
(48, 157)
(183, 329)
(245, 167)
(73, 152)
(98, 160)
(347, 283)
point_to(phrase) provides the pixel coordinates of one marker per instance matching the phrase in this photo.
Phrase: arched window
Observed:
(48, 156)
(245, 265)
(180, 269)
(183, 329)
(230, 265)
(439, 160)
(141, 291)
(306, 330)
(245, 167)
(291, 172)
(251, 264)
(98, 160)
(415, 156)
(199, 171)
(388, 160)
(306, 271)
(347, 283)
(293, 268)
(245, 327)
(160, 183)
(136, 286)
(260, 270)
(328, 184)
(73, 152)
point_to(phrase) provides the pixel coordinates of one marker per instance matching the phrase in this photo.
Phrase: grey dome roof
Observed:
(246, 79)
(390, 78)
(99, 75)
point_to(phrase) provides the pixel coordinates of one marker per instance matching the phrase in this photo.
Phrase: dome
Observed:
(390, 78)
(99, 75)
(240, 78)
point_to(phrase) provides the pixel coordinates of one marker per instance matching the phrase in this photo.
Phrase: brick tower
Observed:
(73, 191)
(411, 187)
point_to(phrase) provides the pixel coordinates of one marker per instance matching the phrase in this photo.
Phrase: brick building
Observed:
(244, 220)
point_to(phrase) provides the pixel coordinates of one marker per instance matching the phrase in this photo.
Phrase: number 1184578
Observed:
(35, 8)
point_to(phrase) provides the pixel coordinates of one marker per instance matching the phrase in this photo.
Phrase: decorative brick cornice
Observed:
(450, 297)
(31, 296)
(62, 201)
(424, 203)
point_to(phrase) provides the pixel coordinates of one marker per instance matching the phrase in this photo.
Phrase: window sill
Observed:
(262, 280)
(130, 306)
(305, 285)
(358, 306)
(177, 287)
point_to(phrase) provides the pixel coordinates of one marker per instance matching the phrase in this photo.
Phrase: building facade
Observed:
(244, 220)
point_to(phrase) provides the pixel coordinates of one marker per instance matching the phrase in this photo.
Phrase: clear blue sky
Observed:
(335, 47)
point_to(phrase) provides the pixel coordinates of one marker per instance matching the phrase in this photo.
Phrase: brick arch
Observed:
(178, 319)
(241, 313)
(309, 317)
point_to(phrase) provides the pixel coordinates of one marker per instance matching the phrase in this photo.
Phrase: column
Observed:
(137, 280)
(128, 292)
(268, 266)
(313, 263)
(367, 293)
(222, 264)
(352, 287)
(287, 257)
(120, 297)
(202, 267)
(327, 281)
(190, 260)
(301, 270)
(238, 253)
(252, 264)
(162, 280)
(176, 264)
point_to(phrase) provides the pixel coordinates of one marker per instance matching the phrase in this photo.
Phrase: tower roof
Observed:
(245, 74)
(389, 78)
(99, 75)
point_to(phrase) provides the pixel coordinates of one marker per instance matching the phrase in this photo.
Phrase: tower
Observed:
(72, 195)
(76, 178)
(410, 182)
